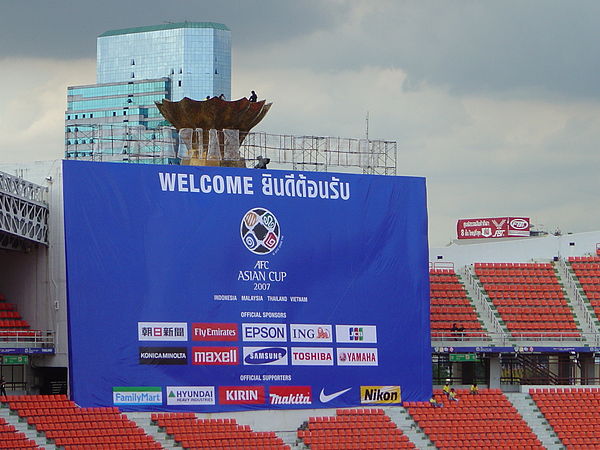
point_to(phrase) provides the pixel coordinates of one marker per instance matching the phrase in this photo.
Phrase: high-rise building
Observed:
(116, 119)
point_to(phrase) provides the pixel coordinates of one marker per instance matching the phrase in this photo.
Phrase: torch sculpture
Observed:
(213, 129)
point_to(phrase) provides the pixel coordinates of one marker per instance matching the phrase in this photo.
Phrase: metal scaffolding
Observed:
(23, 213)
(163, 145)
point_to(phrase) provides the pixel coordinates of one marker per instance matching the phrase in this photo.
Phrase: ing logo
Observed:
(260, 231)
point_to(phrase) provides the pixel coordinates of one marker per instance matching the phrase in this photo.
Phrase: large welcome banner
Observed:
(220, 289)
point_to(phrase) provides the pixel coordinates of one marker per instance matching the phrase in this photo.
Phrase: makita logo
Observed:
(213, 356)
(290, 395)
(380, 394)
(241, 395)
(214, 331)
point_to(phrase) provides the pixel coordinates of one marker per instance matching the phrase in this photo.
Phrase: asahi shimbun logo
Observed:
(260, 231)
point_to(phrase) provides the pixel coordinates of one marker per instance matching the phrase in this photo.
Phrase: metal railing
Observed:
(26, 190)
(482, 298)
(503, 339)
(27, 338)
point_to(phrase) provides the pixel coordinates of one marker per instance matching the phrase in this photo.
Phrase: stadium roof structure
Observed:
(165, 26)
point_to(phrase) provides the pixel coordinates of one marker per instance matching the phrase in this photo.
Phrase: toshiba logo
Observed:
(312, 356)
(214, 331)
(241, 395)
(215, 356)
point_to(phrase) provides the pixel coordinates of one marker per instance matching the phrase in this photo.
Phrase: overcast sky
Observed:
(496, 103)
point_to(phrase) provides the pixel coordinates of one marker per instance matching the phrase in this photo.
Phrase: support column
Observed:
(495, 372)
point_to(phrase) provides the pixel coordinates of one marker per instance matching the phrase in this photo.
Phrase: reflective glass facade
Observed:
(117, 119)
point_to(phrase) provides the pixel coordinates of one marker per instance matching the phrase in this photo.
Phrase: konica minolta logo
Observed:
(163, 355)
(265, 356)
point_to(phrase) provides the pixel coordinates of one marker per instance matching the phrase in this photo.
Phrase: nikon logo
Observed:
(380, 394)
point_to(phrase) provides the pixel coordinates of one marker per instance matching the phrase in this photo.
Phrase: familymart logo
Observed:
(143, 395)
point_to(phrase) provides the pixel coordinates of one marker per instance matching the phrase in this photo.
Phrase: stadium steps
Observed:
(142, 419)
(483, 305)
(535, 419)
(579, 300)
(31, 433)
(409, 427)
(291, 438)
(583, 317)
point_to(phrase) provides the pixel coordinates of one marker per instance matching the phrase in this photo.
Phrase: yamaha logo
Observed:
(260, 231)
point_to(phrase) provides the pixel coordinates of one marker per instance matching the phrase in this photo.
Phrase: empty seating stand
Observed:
(71, 427)
(11, 439)
(573, 413)
(587, 270)
(450, 305)
(11, 323)
(529, 298)
(193, 433)
(353, 429)
(487, 420)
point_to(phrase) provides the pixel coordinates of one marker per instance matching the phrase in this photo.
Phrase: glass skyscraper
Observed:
(116, 119)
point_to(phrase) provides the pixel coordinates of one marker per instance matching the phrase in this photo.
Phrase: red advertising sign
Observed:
(214, 331)
(290, 395)
(215, 356)
(495, 227)
(241, 395)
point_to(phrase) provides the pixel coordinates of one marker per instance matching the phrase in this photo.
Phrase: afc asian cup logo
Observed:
(260, 231)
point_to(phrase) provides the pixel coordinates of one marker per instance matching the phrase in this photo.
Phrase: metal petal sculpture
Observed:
(213, 114)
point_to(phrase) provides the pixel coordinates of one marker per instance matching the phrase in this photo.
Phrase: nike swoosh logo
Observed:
(325, 398)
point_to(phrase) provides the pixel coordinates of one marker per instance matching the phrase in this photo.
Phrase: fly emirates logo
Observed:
(214, 331)
(215, 356)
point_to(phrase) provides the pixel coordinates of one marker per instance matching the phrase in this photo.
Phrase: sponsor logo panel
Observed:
(265, 356)
(312, 356)
(215, 356)
(142, 395)
(190, 395)
(264, 332)
(241, 395)
(357, 357)
(162, 331)
(326, 398)
(380, 394)
(356, 334)
(310, 333)
(163, 355)
(215, 332)
(290, 395)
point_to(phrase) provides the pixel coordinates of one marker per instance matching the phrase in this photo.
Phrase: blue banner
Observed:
(221, 289)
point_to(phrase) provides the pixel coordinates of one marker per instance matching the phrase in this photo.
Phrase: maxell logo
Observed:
(290, 395)
(357, 357)
(163, 355)
(146, 395)
(310, 333)
(264, 332)
(190, 395)
(356, 334)
(215, 356)
(214, 332)
(380, 394)
(162, 331)
(312, 356)
(241, 395)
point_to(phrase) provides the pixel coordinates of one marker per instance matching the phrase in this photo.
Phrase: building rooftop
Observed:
(165, 26)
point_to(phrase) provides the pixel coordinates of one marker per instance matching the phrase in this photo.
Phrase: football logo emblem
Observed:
(260, 231)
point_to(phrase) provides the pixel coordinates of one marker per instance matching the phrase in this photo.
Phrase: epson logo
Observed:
(264, 332)
(265, 356)
(310, 333)
(519, 224)
(214, 356)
